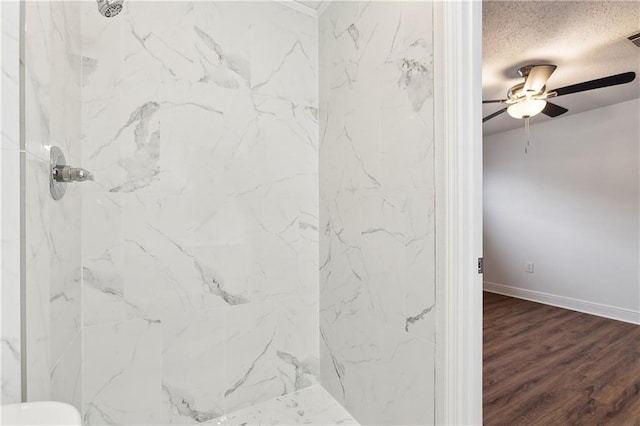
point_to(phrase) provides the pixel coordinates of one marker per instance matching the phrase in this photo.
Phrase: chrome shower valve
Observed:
(61, 174)
(70, 174)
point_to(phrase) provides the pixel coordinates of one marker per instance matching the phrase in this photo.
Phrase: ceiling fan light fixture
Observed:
(526, 108)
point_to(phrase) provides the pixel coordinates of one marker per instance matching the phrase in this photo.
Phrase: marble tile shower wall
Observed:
(200, 235)
(52, 234)
(377, 282)
(10, 213)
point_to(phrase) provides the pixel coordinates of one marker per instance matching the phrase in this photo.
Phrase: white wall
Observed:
(570, 206)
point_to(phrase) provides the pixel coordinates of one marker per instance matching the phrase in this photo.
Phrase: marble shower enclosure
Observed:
(183, 283)
(377, 229)
(200, 234)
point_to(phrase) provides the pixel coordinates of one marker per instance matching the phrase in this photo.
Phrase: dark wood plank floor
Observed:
(550, 366)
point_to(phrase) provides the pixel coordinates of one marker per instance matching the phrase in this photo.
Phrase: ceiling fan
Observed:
(529, 98)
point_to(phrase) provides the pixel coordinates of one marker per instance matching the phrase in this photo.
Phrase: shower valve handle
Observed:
(61, 173)
(70, 174)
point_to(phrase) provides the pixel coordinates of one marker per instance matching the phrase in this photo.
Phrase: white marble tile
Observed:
(406, 144)
(350, 154)
(101, 113)
(221, 360)
(297, 337)
(284, 53)
(10, 386)
(406, 78)
(38, 254)
(154, 287)
(10, 382)
(122, 373)
(64, 215)
(420, 299)
(38, 16)
(139, 149)
(288, 261)
(10, 74)
(162, 274)
(64, 88)
(64, 270)
(288, 219)
(294, 127)
(377, 300)
(221, 155)
(222, 33)
(37, 79)
(164, 36)
(66, 375)
(193, 365)
(102, 259)
(52, 117)
(312, 406)
(52, 78)
(206, 194)
(381, 375)
(393, 383)
(250, 356)
(225, 271)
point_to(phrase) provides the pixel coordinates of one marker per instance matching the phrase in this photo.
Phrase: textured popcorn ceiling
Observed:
(586, 40)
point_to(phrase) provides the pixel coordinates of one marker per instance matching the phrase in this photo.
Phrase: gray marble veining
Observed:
(312, 406)
(210, 127)
(377, 275)
(200, 124)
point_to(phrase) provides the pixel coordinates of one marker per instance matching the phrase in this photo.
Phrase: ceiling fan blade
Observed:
(537, 78)
(494, 101)
(490, 116)
(553, 110)
(612, 80)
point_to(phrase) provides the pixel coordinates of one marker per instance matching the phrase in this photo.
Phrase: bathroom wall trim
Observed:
(599, 309)
(457, 96)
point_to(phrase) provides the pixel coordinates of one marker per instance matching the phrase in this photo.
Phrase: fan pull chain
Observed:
(527, 135)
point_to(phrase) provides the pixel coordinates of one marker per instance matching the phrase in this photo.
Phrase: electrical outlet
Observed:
(529, 267)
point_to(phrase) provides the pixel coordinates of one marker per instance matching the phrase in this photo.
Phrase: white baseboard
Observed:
(592, 308)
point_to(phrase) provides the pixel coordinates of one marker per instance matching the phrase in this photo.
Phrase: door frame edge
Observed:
(458, 151)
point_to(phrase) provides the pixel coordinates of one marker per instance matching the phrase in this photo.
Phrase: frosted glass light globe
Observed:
(527, 108)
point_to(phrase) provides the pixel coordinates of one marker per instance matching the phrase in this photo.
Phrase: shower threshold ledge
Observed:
(310, 406)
